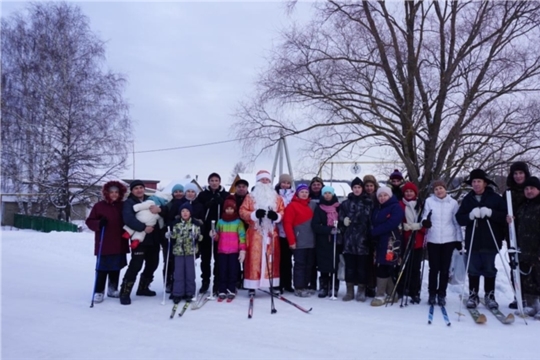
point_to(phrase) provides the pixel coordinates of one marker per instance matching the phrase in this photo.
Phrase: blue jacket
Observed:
(386, 219)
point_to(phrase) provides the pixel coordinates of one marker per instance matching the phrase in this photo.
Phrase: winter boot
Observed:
(490, 302)
(513, 304)
(380, 295)
(98, 297)
(532, 307)
(350, 292)
(473, 301)
(125, 292)
(489, 290)
(323, 286)
(112, 291)
(370, 292)
(441, 300)
(474, 285)
(204, 287)
(361, 293)
(143, 289)
(432, 300)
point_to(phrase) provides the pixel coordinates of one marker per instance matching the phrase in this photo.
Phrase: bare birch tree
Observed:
(446, 86)
(65, 123)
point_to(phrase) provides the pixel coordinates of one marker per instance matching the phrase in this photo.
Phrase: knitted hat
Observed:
(532, 181)
(263, 174)
(186, 205)
(136, 183)
(230, 202)
(214, 175)
(192, 187)
(396, 175)
(241, 182)
(409, 186)
(384, 189)
(285, 178)
(177, 187)
(301, 187)
(357, 181)
(437, 183)
(371, 179)
(478, 174)
(316, 179)
(328, 189)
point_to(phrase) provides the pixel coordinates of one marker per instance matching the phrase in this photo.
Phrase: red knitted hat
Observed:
(410, 186)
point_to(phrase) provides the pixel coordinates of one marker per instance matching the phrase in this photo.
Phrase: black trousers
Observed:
(205, 249)
(440, 259)
(410, 282)
(114, 277)
(285, 265)
(355, 269)
(303, 265)
(147, 255)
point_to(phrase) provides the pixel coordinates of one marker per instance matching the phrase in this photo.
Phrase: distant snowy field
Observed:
(47, 283)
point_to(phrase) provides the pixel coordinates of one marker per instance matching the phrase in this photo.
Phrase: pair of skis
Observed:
(444, 314)
(184, 308)
(480, 318)
(282, 298)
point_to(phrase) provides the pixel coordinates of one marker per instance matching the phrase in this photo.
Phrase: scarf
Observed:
(410, 212)
(331, 213)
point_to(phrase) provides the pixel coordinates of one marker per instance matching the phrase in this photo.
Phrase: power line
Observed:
(186, 147)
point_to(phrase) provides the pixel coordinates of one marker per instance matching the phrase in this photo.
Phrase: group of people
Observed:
(291, 239)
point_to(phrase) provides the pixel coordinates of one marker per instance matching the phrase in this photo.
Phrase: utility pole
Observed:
(282, 150)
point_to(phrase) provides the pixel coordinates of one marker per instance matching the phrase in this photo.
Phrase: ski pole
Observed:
(168, 255)
(333, 297)
(213, 227)
(270, 270)
(98, 259)
(467, 269)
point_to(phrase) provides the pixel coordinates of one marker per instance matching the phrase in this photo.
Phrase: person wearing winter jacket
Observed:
(315, 195)
(212, 198)
(297, 225)
(324, 224)
(443, 236)
(285, 190)
(483, 210)
(386, 220)
(146, 252)
(515, 182)
(527, 223)
(106, 218)
(355, 223)
(185, 236)
(412, 231)
(230, 238)
(371, 185)
(396, 181)
(241, 187)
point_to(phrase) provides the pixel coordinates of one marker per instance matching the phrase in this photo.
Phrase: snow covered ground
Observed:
(47, 283)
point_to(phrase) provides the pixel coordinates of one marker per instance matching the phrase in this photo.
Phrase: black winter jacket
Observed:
(528, 230)
(356, 236)
(483, 240)
(212, 202)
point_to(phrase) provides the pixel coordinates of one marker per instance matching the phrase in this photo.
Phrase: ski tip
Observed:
(482, 319)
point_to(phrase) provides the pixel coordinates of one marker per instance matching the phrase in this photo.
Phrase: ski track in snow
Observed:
(46, 291)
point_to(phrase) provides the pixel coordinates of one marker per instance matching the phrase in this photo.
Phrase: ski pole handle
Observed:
(335, 223)
(213, 225)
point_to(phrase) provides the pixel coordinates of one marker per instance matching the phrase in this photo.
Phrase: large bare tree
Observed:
(65, 123)
(446, 86)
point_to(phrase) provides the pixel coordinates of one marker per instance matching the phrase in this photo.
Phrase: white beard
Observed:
(265, 197)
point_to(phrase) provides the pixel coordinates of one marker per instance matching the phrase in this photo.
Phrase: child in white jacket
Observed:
(443, 236)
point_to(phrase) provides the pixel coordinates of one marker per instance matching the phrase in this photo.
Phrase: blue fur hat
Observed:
(192, 187)
(328, 189)
(177, 187)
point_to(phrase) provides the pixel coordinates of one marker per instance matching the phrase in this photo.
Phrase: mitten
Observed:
(427, 224)
(416, 226)
(475, 213)
(334, 231)
(485, 212)
(242, 256)
(259, 214)
(134, 244)
(346, 221)
(407, 227)
(103, 222)
(272, 215)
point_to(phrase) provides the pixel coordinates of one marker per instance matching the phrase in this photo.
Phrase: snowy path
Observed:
(46, 289)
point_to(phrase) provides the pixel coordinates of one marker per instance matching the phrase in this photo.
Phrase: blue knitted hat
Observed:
(177, 187)
(328, 189)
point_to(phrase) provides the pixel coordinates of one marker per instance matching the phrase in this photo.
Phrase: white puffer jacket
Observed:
(444, 227)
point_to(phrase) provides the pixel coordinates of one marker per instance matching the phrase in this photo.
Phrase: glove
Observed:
(103, 222)
(475, 213)
(259, 214)
(485, 212)
(134, 244)
(334, 231)
(346, 221)
(242, 256)
(458, 245)
(407, 227)
(416, 226)
(168, 234)
(272, 215)
(427, 224)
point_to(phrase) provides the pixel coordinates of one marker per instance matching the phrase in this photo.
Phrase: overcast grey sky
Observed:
(188, 65)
